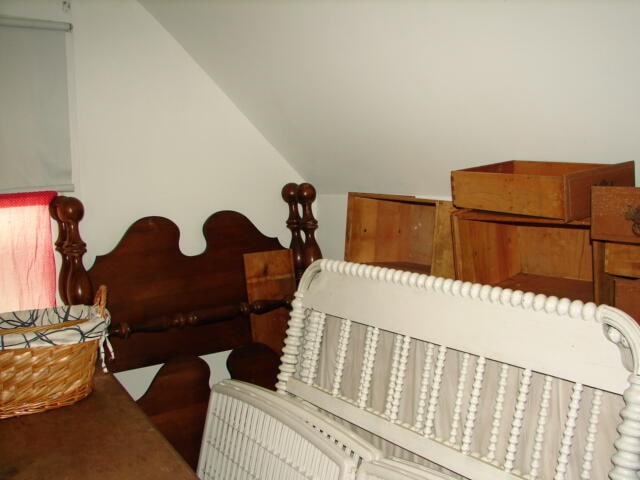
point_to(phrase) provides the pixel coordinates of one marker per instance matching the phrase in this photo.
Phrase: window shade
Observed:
(35, 149)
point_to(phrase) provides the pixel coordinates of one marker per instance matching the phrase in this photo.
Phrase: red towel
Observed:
(27, 265)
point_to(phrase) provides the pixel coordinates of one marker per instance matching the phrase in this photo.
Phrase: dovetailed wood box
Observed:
(541, 189)
(398, 231)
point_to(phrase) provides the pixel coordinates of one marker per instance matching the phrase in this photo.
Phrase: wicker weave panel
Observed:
(37, 379)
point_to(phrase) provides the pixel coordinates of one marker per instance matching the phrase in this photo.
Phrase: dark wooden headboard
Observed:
(165, 304)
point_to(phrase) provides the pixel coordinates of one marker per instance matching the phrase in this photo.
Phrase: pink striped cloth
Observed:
(27, 265)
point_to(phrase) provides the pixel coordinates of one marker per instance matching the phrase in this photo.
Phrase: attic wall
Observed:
(389, 96)
(154, 127)
(332, 221)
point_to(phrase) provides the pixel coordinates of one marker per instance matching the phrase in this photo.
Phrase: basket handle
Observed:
(100, 300)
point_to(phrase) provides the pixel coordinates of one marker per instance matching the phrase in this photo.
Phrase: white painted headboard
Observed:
(482, 381)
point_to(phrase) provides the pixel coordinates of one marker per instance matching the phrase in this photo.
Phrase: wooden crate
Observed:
(399, 231)
(524, 253)
(542, 189)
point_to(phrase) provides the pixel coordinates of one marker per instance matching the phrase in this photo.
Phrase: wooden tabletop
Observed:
(105, 436)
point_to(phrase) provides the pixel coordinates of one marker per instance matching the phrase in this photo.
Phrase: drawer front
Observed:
(627, 296)
(558, 190)
(622, 259)
(615, 214)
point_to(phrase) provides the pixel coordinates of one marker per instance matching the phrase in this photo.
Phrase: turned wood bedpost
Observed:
(306, 195)
(74, 284)
(290, 196)
(62, 235)
(306, 251)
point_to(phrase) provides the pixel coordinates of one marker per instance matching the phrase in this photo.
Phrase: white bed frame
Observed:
(473, 381)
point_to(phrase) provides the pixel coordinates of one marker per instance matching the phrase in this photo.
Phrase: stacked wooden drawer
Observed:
(523, 225)
(526, 225)
(615, 230)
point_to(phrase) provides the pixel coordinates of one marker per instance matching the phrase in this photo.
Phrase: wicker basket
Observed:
(48, 356)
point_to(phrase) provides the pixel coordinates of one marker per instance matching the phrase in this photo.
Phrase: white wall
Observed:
(154, 135)
(332, 224)
(390, 96)
(157, 136)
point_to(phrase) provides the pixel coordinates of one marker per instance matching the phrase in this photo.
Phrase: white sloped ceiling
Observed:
(390, 96)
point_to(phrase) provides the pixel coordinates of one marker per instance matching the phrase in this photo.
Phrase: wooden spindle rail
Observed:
(200, 317)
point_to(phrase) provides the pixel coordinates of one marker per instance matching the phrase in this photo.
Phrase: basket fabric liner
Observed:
(94, 328)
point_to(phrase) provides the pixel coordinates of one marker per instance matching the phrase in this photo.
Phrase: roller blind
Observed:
(35, 151)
